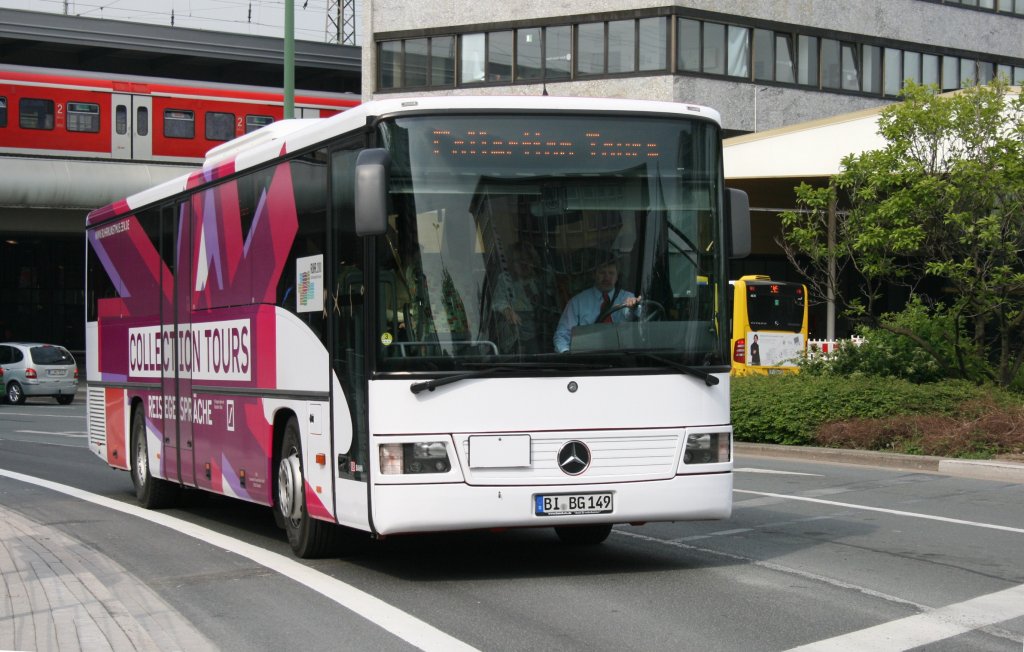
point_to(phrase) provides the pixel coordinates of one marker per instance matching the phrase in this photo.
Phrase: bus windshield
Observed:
(499, 222)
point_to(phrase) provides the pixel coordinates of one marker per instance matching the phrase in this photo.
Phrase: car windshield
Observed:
(523, 238)
(54, 355)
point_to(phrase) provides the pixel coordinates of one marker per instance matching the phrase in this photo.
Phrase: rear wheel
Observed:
(65, 399)
(152, 493)
(583, 535)
(15, 395)
(308, 537)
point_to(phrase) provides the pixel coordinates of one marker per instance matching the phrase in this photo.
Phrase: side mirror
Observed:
(371, 190)
(739, 221)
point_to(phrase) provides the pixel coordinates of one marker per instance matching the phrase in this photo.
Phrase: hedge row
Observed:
(791, 409)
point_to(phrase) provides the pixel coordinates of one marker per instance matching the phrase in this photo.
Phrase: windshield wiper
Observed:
(484, 371)
(704, 375)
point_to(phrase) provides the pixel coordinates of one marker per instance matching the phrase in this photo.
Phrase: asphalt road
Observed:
(816, 554)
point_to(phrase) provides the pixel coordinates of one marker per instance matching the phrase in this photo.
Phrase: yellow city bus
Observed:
(769, 325)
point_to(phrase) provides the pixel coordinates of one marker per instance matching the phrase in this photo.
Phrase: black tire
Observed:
(309, 538)
(152, 493)
(15, 395)
(65, 399)
(583, 535)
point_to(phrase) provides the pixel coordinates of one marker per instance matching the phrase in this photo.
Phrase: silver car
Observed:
(35, 369)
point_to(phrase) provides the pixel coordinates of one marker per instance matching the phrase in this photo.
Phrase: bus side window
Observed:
(3, 111)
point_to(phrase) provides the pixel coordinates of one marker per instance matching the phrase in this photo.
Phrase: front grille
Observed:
(616, 457)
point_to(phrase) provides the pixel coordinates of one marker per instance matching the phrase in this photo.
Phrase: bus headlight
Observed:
(707, 448)
(420, 457)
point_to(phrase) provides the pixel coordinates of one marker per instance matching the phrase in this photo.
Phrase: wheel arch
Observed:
(281, 418)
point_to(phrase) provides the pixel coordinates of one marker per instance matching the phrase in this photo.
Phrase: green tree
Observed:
(943, 199)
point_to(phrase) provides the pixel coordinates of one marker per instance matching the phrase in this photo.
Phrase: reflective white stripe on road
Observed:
(936, 625)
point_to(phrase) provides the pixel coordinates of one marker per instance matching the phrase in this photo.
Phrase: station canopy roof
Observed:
(805, 150)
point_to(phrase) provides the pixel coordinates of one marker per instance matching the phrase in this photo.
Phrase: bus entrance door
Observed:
(179, 459)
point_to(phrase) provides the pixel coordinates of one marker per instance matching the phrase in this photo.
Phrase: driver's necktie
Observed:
(606, 303)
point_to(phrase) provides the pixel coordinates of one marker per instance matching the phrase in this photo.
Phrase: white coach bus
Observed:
(353, 320)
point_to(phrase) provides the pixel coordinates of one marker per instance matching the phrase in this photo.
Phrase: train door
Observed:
(142, 133)
(132, 129)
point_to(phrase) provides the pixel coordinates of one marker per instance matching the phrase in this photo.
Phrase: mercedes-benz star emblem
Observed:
(574, 458)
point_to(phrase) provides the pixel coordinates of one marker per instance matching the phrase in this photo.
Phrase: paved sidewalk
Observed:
(56, 594)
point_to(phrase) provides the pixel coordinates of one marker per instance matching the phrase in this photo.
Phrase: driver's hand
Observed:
(632, 301)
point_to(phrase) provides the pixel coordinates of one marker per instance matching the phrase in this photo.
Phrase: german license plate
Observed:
(572, 504)
(775, 372)
(58, 372)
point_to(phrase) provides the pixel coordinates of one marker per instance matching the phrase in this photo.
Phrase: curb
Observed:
(1002, 471)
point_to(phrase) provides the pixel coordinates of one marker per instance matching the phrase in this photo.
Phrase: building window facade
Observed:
(670, 40)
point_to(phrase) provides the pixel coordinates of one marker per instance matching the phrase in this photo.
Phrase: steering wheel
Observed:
(654, 310)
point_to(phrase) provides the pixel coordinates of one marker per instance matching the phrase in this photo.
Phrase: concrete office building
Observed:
(763, 65)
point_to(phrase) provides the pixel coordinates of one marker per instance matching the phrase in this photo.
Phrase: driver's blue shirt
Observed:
(583, 309)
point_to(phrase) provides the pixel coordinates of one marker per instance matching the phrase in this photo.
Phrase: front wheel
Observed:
(308, 537)
(583, 535)
(15, 395)
(152, 493)
(65, 399)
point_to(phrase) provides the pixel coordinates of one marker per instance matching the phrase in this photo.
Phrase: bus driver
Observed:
(594, 302)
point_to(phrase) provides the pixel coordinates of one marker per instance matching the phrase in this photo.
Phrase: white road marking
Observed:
(894, 512)
(391, 619)
(935, 625)
(7, 413)
(81, 435)
(774, 472)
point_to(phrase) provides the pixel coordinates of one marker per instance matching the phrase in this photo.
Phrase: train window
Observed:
(35, 114)
(220, 126)
(121, 119)
(254, 122)
(179, 123)
(3, 111)
(83, 116)
(142, 121)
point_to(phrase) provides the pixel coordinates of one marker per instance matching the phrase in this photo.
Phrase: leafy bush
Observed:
(889, 351)
(791, 409)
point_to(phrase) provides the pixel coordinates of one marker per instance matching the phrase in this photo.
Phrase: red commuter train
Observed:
(61, 113)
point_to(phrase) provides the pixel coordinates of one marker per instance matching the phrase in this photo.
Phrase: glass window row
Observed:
(1011, 7)
(703, 47)
(41, 114)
